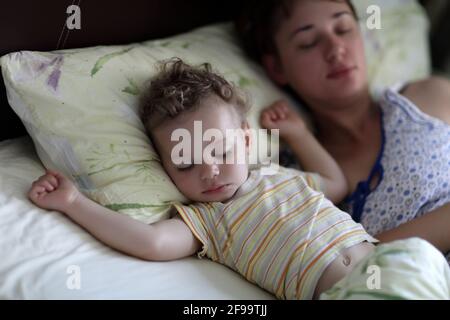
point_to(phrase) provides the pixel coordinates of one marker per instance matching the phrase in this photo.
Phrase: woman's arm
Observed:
(164, 240)
(310, 153)
(433, 227)
(432, 96)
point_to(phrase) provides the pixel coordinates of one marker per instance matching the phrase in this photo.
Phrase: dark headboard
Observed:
(41, 25)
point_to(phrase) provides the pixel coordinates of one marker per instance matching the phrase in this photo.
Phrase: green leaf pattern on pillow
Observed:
(132, 88)
(104, 59)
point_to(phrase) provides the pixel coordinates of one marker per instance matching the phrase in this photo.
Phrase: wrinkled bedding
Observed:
(44, 255)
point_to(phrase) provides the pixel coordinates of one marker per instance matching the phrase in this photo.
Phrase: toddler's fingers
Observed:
(273, 115)
(280, 112)
(266, 121)
(32, 194)
(55, 174)
(285, 107)
(61, 179)
(49, 186)
(53, 181)
(36, 184)
(36, 192)
(39, 195)
(38, 189)
(46, 185)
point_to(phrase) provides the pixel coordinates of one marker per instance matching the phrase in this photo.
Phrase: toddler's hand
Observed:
(279, 115)
(53, 191)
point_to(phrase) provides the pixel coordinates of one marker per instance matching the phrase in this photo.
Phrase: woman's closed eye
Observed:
(309, 42)
(308, 45)
(341, 31)
(345, 25)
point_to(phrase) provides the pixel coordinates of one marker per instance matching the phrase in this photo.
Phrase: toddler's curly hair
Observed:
(179, 88)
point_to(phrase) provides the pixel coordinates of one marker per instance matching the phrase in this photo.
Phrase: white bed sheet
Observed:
(38, 248)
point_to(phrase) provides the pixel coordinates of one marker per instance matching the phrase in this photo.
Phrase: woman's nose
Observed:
(209, 171)
(335, 49)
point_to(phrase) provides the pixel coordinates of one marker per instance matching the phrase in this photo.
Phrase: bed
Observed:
(44, 255)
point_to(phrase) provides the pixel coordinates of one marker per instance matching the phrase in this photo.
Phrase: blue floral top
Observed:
(412, 170)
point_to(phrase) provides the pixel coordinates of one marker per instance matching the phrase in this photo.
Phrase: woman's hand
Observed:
(279, 115)
(53, 191)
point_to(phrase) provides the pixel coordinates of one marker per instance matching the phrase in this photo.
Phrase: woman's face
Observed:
(320, 52)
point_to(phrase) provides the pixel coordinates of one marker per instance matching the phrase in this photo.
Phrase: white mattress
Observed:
(38, 248)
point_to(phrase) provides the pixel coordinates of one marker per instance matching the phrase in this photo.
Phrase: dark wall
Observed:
(41, 25)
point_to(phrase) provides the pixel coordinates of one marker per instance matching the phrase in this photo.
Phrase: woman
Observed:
(395, 153)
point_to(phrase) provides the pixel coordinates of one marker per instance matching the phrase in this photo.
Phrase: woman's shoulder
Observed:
(431, 96)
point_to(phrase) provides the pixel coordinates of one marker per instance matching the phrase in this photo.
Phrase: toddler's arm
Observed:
(164, 240)
(310, 153)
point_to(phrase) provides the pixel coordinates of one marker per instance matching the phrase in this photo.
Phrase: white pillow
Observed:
(399, 51)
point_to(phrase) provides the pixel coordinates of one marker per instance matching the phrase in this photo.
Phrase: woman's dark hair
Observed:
(259, 20)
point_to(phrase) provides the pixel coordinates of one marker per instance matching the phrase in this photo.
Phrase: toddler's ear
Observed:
(274, 69)
(247, 134)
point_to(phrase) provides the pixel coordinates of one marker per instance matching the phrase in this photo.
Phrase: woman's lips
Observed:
(216, 189)
(340, 72)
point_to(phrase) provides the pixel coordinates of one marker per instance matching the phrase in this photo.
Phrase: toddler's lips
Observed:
(216, 189)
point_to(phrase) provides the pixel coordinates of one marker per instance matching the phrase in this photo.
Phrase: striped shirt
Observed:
(276, 231)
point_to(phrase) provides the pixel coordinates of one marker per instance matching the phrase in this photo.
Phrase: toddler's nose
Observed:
(209, 171)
